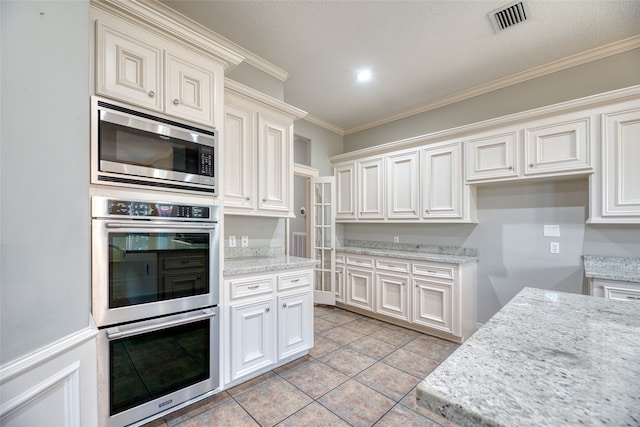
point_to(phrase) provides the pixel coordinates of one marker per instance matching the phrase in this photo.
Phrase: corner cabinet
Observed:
(437, 298)
(140, 67)
(258, 153)
(268, 320)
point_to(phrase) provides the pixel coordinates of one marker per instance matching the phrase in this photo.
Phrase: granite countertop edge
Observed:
(260, 264)
(612, 268)
(411, 255)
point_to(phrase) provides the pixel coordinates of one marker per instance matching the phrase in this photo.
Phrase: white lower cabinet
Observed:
(269, 319)
(615, 289)
(437, 298)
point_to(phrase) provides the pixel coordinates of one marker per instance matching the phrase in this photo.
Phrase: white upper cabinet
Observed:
(144, 69)
(615, 191)
(442, 183)
(346, 191)
(558, 147)
(371, 188)
(492, 156)
(258, 153)
(403, 198)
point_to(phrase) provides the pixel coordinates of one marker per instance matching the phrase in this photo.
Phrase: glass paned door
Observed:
(323, 237)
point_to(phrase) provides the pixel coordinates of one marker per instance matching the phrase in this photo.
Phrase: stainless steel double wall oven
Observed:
(155, 267)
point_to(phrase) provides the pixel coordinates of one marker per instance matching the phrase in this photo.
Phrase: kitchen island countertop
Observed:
(547, 359)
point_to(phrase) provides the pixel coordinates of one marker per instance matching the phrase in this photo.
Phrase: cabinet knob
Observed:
(510, 168)
(151, 94)
(284, 305)
(247, 198)
(264, 200)
(267, 309)
(176, 102)
(531, 165)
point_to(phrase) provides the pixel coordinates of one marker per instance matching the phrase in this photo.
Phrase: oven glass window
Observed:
(145, 367)
(122, 144)
(149, 267)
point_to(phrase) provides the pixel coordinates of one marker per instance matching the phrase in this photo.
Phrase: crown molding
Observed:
(461, 132)
(543, 70)
(248, 56)
(324, 124)
(232, 85)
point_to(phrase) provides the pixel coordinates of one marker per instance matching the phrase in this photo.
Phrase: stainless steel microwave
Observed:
(134, 148)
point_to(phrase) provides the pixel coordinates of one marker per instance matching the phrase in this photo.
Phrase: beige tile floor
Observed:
(361, 372)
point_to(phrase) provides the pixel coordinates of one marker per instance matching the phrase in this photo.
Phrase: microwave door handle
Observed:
(123, 332)
(160, 225)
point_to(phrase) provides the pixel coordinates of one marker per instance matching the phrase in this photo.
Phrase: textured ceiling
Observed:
(419, 51)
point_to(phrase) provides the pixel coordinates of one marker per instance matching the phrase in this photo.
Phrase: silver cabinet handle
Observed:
(254, 287)
(264, 200)
(267, 309)
(510, 168)
(284, 305)
(632, 297)
(151, 94)
(247, 198)
(531, 165)
(295, 280)
(176, 102)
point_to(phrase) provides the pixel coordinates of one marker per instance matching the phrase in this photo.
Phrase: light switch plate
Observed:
(245, 241)
(551, 231)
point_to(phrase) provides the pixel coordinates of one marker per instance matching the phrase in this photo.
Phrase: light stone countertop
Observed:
(415, 252)
(258, 264)
(612, 268)
(546, 359)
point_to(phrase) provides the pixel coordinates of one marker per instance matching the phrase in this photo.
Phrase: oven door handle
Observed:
(160, 225)
(124, 331)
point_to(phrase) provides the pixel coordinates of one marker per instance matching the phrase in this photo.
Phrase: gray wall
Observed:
(509, 236)
(258, 80)
(44, 173)
(595, 77)
(324, 144)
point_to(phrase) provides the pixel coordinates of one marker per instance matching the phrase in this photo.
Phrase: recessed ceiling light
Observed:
(364, 75)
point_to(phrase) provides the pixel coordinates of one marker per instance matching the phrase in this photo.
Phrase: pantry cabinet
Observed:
(268, 320)
(141, 68)
(258, 153)
(438, 298)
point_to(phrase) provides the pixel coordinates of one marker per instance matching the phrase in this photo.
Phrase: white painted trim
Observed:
(40, 356)
(324, 124)
(69, 377)
(232, 85)
(462, 131)
(305, 170)
(533, 73)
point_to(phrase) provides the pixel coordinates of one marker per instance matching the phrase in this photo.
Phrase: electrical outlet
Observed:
(245, 241)
(232, 241)
(554, 247)
(396, 239)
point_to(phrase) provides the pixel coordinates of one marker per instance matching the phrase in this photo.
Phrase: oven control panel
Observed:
(104, 207)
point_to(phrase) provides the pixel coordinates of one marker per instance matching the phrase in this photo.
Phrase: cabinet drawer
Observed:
(613, 292)
(294, 280)
(431, 270)
(360, 261)
(250, 287)
(399, 266)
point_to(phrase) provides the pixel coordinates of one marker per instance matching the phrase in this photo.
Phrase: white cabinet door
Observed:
(492, 156)
(558, 147)
(346, 188)
(191, 86)
(239, 158)
(275, 180)
(392, 296)
(371, 189)
(359, 288)
(432, 304)
(621, 164)
(442, 181)
(402, 186)
(129, 67)
(253, 339)
(295, 326)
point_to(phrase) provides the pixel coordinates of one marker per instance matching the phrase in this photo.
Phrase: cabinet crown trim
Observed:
(461, 132)
(239, 88)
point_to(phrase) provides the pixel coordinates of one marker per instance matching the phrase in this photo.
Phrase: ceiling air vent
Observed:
(509, 15)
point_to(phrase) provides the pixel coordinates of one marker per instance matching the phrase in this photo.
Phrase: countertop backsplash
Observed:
(409, 247)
